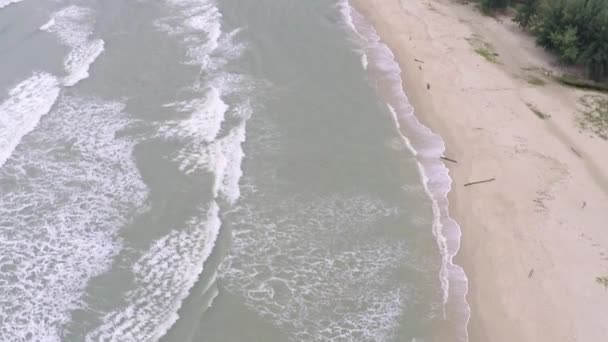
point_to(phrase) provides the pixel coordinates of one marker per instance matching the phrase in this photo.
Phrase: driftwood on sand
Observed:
(449, 159)
(480, 182)
(576, 152)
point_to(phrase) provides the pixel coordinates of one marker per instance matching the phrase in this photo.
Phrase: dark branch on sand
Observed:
(576, 152)
(450, 160)
(480, 182)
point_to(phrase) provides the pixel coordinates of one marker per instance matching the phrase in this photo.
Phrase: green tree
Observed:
(565, 43)
(595, 48)
(576, 30)
(491, 5)
(526, 11)
(550, 20)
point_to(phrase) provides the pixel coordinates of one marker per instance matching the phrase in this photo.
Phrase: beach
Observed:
(321, 170)
(534, 241)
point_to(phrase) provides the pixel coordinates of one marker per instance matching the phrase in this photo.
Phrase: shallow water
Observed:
(231, 170)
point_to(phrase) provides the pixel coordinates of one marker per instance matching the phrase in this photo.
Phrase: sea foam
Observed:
(317, 289)
(427, 147)
(198, 23)
(208, 146)
(27, 102)
(164, 276)
(208, 130)
(66, 191)
(206, 117)
(74, 27)
(4, 3)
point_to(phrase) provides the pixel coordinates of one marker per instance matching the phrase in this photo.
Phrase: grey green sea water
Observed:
(216, 170)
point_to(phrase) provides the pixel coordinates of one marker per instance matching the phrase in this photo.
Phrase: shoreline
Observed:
(428, 147)
(530, 252)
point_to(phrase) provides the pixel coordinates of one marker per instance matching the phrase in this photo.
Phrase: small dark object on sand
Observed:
(479, 182)
(531, 273)
(576, 152)
(428, 86)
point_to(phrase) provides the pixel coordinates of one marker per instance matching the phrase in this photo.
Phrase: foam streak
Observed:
(65, 195)
(28, 101)
(164, 276)
(4, 3)
(74, 27)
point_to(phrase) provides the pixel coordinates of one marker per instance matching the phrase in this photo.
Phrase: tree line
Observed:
(575, 30)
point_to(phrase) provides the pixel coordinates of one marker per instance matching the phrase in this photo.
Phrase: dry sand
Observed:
(534, 240)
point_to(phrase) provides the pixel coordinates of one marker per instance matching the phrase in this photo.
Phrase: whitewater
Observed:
(168, 168)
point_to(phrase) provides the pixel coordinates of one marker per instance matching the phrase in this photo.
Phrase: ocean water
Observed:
(216, 170)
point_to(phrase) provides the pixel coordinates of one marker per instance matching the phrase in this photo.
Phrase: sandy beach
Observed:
(534, 240)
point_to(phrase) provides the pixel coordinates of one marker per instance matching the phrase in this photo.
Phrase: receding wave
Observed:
(66, 191)
(164, 276)
(208, 144)
(4, 3)
(27, 102)
(428, 147)
(74, 27)
(208, 130)
(199, 23)
(206, 117)
(301, 264)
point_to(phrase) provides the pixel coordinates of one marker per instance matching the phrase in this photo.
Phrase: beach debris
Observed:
(480, 182)
(531, 273)
(537, 112)
(419, 61)
(576, 152)
(594, 115)
(584, 205)
(449, 159)
(539, 202)
(428, 86)
(419, 67)
(482, 48)
(602, 281)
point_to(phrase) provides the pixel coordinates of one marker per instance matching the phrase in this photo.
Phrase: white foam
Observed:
(404, 139)
(320, 289)
(347, 12)
(224, 158)
(28, 101)
(4, 3)
(67, 190)
(47, 26)
(198, 22)
(364, 61)
(428, 147)
(74, 27)
(205, 121)
(209, 141)
(164, 276)
(79, 60)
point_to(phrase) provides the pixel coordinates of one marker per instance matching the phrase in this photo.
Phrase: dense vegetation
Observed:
(576, 30)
